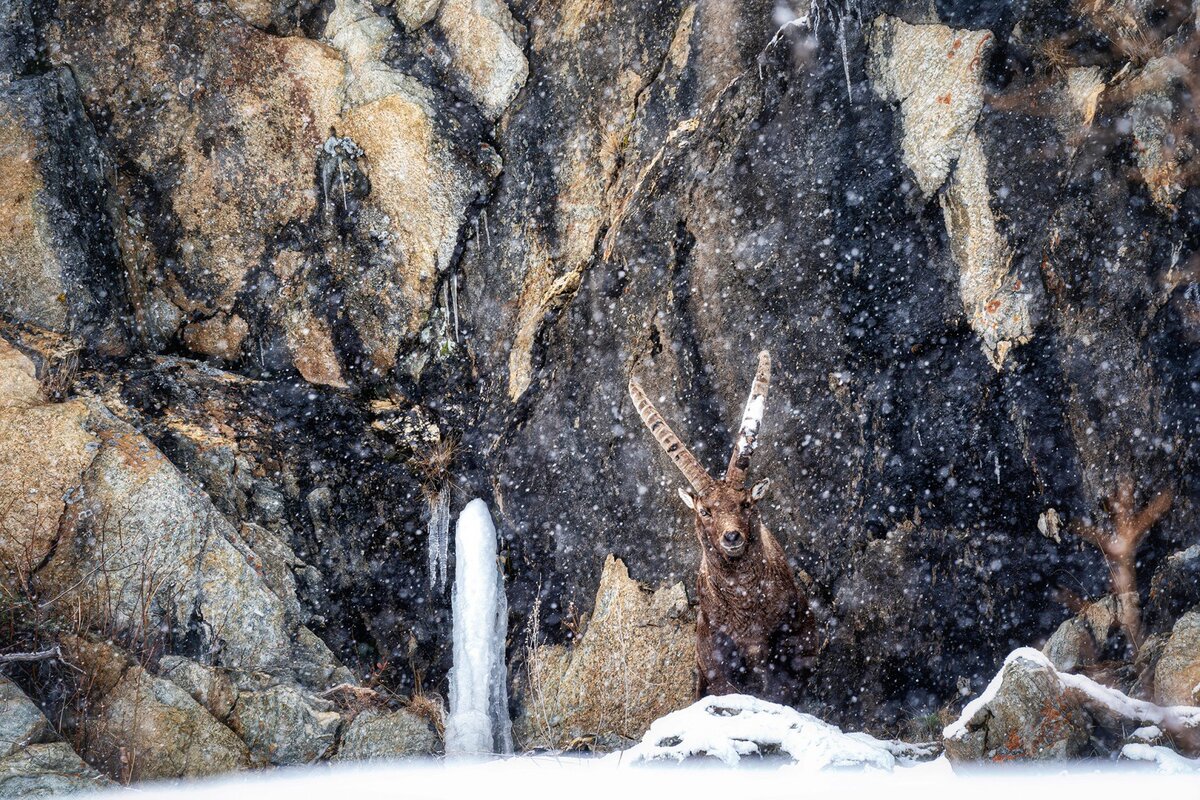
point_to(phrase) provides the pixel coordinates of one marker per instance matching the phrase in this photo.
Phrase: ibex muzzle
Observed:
(754, 631)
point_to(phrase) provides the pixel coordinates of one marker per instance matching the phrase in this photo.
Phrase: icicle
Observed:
(478, 722)
(845, 58)
(439, 537)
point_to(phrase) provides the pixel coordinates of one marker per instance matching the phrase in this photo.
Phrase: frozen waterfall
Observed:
(478, 721)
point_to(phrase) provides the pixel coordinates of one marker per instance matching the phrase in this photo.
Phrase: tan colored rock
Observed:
(142, 727)
(313, 352)
(19, 386)
(415, 13)
(256, 12)
(44, 452)
(935, 73)
(995, 300)
(221, 336)
(1177, 675)
(635, 663)
(482, 38)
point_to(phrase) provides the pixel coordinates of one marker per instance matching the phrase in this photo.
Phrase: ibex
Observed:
(754, 631)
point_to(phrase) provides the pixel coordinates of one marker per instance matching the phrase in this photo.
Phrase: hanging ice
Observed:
(478, 721)
(439, 537)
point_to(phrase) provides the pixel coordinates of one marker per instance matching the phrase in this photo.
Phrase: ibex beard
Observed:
(755, 632)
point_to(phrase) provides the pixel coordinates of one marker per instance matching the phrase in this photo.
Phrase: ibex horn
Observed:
(696, 475)
(747, 438)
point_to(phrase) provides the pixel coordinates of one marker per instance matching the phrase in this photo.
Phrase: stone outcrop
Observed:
(284, 725)
(634, 662)
(1033, 712)
(1177, 673)
(34, 761)
(380, 735)
(138, 726)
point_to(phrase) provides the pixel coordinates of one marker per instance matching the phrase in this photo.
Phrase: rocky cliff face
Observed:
(294, 267)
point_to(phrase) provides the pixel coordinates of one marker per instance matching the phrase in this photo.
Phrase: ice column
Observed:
(478, 721)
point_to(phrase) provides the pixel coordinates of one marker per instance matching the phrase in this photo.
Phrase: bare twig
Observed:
(36, 655)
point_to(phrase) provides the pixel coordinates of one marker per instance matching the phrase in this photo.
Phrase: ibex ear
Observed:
(688, 498)
(760, 489)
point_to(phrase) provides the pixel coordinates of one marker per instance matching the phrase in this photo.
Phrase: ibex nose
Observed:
(732, 537)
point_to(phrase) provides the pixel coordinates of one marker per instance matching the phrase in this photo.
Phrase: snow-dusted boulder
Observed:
(1031, 711)
(734, 727)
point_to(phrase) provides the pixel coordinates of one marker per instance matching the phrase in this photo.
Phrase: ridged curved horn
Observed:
(696, 475)
(747, 438)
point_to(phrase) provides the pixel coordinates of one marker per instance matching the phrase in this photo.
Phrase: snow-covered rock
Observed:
(1032, 711)
(734, 727)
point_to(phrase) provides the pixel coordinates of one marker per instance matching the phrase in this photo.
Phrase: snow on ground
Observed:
(1165, 758)
(565, 778)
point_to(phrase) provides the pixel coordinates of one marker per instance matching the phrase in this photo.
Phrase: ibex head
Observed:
(724, 510)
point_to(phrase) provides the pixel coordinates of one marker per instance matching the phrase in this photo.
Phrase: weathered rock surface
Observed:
(137, 726)
(284, 725)
(635, 662)
(1080, 641)
(210, 687)
(374, 735)
(34, 761)
(57, 259)
(1177, 674)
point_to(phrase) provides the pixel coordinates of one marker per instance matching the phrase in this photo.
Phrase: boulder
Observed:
(137, 726)
(284, 725)
(635, 662)
(211, 687)
(1026, 713)
(21, 722)
(1177, 674)
(1031, 711)
(386, 734)
(34, 761)
(47, 769)
(1080, 641)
